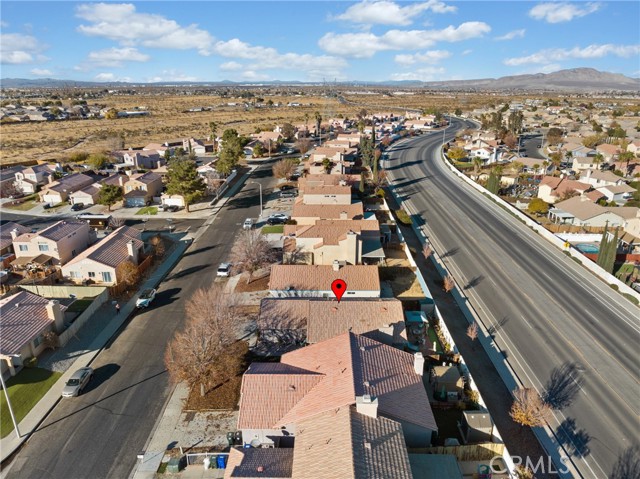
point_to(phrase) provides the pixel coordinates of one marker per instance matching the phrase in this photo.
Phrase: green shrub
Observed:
(403, 217)
(614, 287)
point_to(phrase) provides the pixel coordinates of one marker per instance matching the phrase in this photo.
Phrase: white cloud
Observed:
(559, 54)
(266, 58)
(110, 77)
(16, 48)
(385, 12)
(366, 45)
(421, 74)
(114, 57)
(231, 66)
(562, 12)
(171, 76)
(121, 22)
(466, 52)
(512, 34)
(41, 72)
(4, 24)
(432, 56)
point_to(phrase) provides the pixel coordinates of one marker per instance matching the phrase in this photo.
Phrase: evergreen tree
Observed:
(493, 183)
(602, 251)
(109, 195)
(612, 249)
(183, 179)
(362, 180)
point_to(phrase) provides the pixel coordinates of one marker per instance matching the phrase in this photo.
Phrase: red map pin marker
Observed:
(338, 287)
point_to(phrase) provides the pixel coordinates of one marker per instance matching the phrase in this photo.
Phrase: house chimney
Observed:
(418, 363)
(367, 405)
(120, 180)
(336, 265)
(132, 251)
(343, 215)
(54, 313)
(14, 233)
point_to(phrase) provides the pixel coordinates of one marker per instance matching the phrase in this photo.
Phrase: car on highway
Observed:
(77, 207)
(145, 298)
(77, 382)
(248, 224)
(224, 270)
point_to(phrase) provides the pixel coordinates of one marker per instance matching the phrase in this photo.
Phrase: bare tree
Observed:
(627, 465)
(378, 179)
(284, 168)
(116, 223)
(50, 340)
(159, 248)
(128, 273)
(303, 146)
(200, 354)
(528, 408)
(472, 331)
(251, 252)
(448, 284)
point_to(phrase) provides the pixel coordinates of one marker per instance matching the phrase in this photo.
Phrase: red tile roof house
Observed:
(352, 241)
(98, 263)
(308, 214)
(340, 443)
(314, 281)
(276, 399)
(59, 243)
(24, 318)
(293, 322)
(59, 190)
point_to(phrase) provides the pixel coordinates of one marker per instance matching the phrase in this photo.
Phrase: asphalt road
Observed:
(563, 330)
(99, 434)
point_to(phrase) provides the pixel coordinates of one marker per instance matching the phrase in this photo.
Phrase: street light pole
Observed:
(13, 417)
(260, 185)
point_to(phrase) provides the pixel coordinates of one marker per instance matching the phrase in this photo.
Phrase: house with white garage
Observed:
(58, 191)
(601, 178)
(581, 211)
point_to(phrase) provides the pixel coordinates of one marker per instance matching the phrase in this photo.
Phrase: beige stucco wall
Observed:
(84, 267)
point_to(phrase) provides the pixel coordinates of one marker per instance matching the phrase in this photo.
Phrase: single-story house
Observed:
(327, 195)
(308, 214)
(86, 196)
(552, 188)
(24, 319)
(619, 194)
(314, 281)
(580, 211)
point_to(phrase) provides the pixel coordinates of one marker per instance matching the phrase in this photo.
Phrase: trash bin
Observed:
(175, 465)
(230, 438)
(206, 463)
(221, 461)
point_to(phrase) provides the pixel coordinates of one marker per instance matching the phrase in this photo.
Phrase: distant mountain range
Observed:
(576, 79)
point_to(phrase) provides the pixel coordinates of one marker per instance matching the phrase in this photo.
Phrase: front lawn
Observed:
(25, 390)
(25, 206)
(273, 229)
(148, 210)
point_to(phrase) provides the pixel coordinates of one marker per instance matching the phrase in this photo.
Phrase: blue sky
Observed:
(308, 41)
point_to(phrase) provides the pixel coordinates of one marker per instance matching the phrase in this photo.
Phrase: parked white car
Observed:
(224, 270)
(145, 298)
(77, 382)
(248, 224)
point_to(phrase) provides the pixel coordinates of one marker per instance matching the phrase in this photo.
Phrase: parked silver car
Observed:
(77, 382)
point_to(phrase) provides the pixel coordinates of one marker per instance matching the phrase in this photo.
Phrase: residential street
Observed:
(562, 329)
(100, 433)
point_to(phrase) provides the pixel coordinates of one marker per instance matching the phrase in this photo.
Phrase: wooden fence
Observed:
(118, 289)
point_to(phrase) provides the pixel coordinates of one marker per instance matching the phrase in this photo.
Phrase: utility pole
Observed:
(13, 417)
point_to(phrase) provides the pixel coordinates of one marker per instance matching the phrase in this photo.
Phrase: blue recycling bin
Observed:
(221, 461)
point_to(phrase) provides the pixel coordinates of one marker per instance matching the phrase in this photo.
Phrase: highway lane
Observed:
(99, 434)
(548, 312)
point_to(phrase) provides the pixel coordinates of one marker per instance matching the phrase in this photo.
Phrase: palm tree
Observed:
(306, 121)
(477, 165)
(598, 159)
(318, 118)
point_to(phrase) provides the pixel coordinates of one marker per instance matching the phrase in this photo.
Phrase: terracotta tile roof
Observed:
(353, 211)
(112, 250)
(325, 319)
(608, 149)
(275, 463)
(331, 231)
(388, 371)
(327, 190)
(320, 277)
(5, 233)
(56, 231)
(552, 181)
(595, 195)
(22, 317)
(357, 447)
(269, 391)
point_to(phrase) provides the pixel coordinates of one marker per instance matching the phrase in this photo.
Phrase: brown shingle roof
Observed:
(112, 250)
(353, 211)
(55, 232)
(147, 177)
(275, 463)
(319, 277)
(22, 317)
(327, 190)
(326, 319)
(358, 447)
(70, 183)
(5, 233)
(331, 231)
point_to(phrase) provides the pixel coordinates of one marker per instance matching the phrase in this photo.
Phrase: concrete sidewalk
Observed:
(10, 443)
